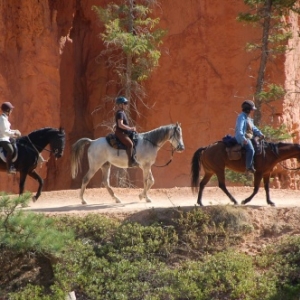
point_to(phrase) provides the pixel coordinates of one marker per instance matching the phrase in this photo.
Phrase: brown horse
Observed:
(214, 160)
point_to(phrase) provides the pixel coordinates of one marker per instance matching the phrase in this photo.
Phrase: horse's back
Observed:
(215, 151)
(99, 143)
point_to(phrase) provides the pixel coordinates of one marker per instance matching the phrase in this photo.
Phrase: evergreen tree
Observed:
(27, 231)
(269, 15)
(132, 44)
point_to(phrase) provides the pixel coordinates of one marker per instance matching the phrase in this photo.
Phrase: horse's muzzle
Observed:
(58, 155)
(180, 148)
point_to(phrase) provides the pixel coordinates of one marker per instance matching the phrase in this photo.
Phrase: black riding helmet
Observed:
(6, 106)
(247, 106)
(121, 100)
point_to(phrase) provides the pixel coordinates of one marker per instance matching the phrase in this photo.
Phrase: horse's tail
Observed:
(76, 155)
(195, 169)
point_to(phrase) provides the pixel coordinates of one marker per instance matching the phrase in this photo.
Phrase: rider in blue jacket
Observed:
(245, 130)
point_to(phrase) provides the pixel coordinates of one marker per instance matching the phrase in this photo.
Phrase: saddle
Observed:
(235, 150)
(15, 154)
(115, 143)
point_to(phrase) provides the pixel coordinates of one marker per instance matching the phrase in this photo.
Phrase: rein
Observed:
(172, 150)
(41, 158)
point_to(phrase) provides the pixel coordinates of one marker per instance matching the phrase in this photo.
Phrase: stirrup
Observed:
(133, 163)
(250, 171)
(12, 170)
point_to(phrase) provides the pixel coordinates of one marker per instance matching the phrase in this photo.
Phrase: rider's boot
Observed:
(133, 162)
(10, 167)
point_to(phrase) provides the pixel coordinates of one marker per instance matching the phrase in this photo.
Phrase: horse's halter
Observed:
(57, 153)
(180, 147)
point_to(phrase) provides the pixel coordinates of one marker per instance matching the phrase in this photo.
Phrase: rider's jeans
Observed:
(249, 154)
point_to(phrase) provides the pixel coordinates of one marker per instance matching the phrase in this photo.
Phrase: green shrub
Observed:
(194, 258)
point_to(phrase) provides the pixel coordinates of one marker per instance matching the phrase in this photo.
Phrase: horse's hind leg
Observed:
(86, 179)
(203, 183)
(105, 180)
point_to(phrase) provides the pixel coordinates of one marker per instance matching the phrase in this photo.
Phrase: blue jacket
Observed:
(241, 127)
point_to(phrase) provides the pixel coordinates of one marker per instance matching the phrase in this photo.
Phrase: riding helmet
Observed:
(121, 100)
(248, 105)
(6, 106)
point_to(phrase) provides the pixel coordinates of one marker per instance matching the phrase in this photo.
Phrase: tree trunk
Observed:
(263, 61)
(128, 74)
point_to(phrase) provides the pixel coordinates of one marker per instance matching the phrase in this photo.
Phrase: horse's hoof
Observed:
(243, 202)
(141, 196)
(118, 200)
(148, 200)
(83, 202)
(272, 204)
(34, 198)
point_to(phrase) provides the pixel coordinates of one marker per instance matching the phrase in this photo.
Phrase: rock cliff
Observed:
(49, 70)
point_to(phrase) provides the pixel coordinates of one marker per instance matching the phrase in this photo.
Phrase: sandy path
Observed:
(67, 201)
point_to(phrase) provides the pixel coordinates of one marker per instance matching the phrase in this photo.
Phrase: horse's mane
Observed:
(159, 134)
(41, 132)
(45, 129)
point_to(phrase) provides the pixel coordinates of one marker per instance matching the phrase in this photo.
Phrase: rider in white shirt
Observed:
(6, 133)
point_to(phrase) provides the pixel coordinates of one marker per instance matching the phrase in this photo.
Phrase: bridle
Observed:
(173, 149)
(44, 149)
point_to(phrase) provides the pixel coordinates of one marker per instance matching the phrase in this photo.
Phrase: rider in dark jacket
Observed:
(123, 130)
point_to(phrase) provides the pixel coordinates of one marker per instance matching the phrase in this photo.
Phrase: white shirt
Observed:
(5, 131)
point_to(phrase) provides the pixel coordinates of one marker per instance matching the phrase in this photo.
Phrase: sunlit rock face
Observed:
(51, 71)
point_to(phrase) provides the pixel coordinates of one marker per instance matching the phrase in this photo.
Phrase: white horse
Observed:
(102, 155)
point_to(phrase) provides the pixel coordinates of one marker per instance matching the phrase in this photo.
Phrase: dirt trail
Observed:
(99, 201)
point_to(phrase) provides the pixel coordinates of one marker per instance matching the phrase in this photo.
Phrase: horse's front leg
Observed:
(33, 174)
(257, 180)
(105, 181)
(222, 186)
(267, 189)
(148, 182)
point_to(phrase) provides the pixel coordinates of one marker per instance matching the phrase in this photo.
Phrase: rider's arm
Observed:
(5, 130)
(123, 126)
(240, 129)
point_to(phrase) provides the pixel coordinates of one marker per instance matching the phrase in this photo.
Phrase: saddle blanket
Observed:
(115, 143)
(3, 155)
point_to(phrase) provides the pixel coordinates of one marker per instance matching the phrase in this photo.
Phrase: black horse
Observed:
(29, 149)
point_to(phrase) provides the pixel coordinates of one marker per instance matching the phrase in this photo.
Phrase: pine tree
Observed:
(132, 44)
(268, 14)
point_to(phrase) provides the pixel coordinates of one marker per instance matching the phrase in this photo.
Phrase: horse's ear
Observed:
(178, 124)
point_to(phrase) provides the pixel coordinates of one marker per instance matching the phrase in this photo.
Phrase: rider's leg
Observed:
(125, 139)
(249, 156)
(9, 154)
